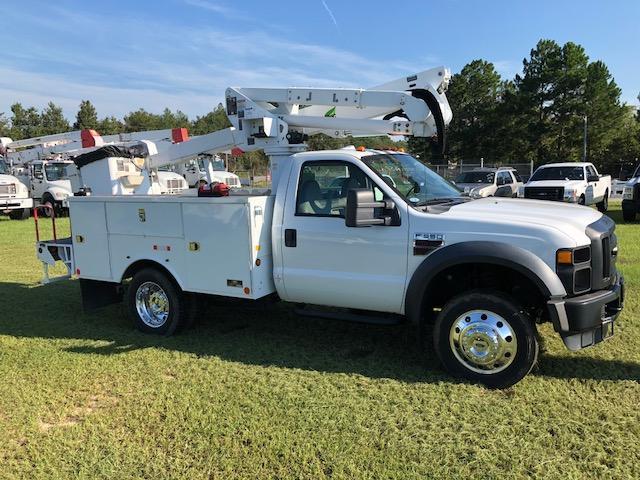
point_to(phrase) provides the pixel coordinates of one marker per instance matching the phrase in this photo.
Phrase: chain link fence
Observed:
(453, 169)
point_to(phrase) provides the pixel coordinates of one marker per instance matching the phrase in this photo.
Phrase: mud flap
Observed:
(96, 294)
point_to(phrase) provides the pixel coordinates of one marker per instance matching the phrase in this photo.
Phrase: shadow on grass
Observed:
(270, 337)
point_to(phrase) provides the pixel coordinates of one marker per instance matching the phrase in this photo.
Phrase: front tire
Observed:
(628, 215)
(603, 206)
(485, 337)
(155, 304)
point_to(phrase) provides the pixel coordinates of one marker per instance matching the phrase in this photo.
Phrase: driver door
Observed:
(327, 263)
(38, 181)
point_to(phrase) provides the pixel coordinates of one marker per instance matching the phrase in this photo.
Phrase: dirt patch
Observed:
(79, 413)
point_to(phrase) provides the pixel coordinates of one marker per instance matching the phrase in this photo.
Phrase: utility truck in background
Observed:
(14, 195)
(569, 182)
(206, 169)
(365, 235)
(631, 197)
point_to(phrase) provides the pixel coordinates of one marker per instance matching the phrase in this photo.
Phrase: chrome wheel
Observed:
(152, 304)
(483, 341)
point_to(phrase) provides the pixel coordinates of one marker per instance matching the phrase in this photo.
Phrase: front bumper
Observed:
(15, 203)
(588, 319)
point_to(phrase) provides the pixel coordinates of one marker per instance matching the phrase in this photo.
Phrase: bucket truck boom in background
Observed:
(353, 234)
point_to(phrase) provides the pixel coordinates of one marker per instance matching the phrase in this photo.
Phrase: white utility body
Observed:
(373, 235)
(573, 182)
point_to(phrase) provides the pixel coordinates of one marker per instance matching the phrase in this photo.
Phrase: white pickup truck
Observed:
(569, 182)
(369, 235)
(14, 195)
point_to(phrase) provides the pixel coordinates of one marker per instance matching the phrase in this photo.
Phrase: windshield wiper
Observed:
(436, 201)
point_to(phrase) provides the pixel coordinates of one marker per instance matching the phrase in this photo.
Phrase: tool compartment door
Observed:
(90, 242)
(218, 257)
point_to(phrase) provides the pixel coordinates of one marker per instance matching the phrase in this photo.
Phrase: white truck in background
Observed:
(371, 236)
(14, 195)
(573, 182)
(206, 169)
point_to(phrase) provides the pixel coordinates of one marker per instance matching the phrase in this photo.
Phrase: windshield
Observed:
(3, 168)
(558, 173)
(475, 177)
(216, 163)
(55, 171)
(414, 181)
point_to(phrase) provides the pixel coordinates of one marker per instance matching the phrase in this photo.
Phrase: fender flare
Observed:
(494, 253)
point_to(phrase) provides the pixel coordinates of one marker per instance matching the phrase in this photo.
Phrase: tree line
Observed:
(538, 116)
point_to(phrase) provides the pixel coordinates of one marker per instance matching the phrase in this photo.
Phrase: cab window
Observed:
(504, 178)
(323, 187)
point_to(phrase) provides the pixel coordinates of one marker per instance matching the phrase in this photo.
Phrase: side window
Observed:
(591, 171)
(507, 178)
(37, 171)
(323, 187)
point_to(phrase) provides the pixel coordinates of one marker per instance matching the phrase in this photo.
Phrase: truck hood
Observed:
(556, 183)
(61, 185)
(570, 219)
(470, 186)
(7, 179)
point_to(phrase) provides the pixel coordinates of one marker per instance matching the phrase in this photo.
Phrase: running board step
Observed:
(350, 316)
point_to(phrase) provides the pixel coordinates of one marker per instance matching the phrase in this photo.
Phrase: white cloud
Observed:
(165, 64)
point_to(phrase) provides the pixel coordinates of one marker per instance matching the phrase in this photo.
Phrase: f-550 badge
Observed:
(425, 243)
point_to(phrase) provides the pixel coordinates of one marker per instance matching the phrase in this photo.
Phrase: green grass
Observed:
(249, 394)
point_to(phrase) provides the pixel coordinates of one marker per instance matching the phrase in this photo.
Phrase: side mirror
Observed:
(360, 210)
(592, 178)
(38, 175)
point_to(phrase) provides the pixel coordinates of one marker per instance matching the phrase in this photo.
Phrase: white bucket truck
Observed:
(334, 231)
(14, 195)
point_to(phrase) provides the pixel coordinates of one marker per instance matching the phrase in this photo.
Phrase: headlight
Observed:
(60, 195)
(477, 193)
(570, 194)
(627, 193)
(573, 266)
(12, 189)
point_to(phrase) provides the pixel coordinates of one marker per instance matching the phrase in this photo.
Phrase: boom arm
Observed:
(277, 120)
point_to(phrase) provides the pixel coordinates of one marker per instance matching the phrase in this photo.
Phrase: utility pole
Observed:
(584, 143)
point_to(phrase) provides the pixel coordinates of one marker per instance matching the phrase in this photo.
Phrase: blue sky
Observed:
(183, 53)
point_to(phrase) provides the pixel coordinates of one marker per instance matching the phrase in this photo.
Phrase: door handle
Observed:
(290, 237)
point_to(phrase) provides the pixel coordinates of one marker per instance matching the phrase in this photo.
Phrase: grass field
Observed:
(246, 394)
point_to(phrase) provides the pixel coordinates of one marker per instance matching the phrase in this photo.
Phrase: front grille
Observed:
(174, 184)
(8, 189)
(606, 257)
(603, 245)
(544, 193)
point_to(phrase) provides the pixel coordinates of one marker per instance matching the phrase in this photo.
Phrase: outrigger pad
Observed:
(96, 294)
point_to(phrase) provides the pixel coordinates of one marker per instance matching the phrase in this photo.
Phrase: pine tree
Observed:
(87, 117)
(53, 121)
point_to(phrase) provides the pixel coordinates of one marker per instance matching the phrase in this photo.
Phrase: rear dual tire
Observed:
(485, 337)
(156, 304)
(603, 206)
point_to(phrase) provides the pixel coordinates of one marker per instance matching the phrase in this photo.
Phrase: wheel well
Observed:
(139, 265)
(462, 278)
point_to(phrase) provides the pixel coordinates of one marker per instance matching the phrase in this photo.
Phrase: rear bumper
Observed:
(15, 203)
(588, 319)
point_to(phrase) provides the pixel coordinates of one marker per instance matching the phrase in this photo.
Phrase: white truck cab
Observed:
(490, 182)
(574, 182)
(14, 195)
(370, 235)
(48, 182)
(207, 169)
